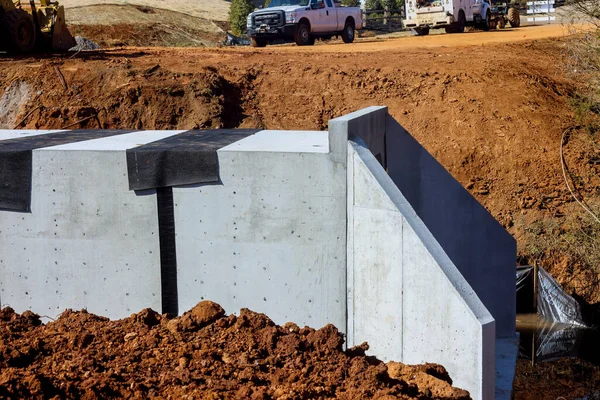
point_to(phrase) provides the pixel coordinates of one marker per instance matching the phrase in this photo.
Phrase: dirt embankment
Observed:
(113, 25)
(493, 115)
(203, 354)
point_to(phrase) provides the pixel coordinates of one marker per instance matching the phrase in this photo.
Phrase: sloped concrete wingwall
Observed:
(405, 296)
(476, 243)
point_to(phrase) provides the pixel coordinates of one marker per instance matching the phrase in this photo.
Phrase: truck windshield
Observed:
(280, 3)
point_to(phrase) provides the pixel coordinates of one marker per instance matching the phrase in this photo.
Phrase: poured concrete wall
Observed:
(271, 236)
(89, 242)
(476, 243)
(300, 226)
(406, 297)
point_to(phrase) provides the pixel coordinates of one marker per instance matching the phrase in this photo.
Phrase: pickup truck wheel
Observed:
(462, 22)
(302, 35)
(256, 42)
(421, 31)
(485, 25)
(348, 33)
(513, 17)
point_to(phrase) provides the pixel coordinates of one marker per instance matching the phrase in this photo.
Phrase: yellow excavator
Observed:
(29, 26)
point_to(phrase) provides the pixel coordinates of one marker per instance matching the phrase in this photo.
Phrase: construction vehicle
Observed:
(25, 28)
(503, 13)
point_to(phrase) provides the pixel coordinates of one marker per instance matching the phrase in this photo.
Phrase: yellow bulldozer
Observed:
(29, 26)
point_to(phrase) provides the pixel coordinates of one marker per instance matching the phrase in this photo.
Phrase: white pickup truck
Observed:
(302, 21)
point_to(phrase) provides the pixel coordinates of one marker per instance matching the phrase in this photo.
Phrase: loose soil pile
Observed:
(203, 354)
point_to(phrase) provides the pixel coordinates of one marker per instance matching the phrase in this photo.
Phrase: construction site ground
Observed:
(490, 106)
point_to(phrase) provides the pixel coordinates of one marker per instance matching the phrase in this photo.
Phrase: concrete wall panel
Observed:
(89, 242)
(271, 236)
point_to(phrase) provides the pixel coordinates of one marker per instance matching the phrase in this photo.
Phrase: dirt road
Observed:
(474, 38)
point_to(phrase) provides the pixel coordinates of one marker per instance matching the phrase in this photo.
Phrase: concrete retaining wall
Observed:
(476, 243)
(89, 242)
(406, 297)
(301, 226)
(271, 236)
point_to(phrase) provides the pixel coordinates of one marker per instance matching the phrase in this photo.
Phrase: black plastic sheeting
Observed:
(559, 331)
(184, 159)
(554, 304)
(16, 163)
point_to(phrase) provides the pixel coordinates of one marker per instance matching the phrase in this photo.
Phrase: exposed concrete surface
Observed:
(475, 242)
(271, 236)
(88, 242)
(410, 302)
(12, 134)
(283, 142)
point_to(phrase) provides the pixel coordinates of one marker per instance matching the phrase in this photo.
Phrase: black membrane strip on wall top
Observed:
(16, 162)
(183, 159)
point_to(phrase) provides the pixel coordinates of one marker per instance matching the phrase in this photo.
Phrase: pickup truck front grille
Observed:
(273, 18)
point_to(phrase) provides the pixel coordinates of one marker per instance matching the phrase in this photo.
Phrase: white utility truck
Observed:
(452, 15)
(302, 21)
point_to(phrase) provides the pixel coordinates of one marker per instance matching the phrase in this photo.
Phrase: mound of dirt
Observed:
(202, 354)
(214, 10)
(113, 25)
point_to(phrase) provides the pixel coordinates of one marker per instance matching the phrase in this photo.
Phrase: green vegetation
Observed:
(238, 14)
(383, 4)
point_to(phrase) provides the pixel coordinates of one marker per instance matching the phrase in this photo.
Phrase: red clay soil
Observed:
(203, 354)
(564, 379)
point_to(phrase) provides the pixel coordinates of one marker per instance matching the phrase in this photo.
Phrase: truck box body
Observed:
(440, 13)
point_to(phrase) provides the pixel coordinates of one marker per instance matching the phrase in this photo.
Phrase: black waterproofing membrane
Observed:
(184, 159)
(168, 251)
(16, 159)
